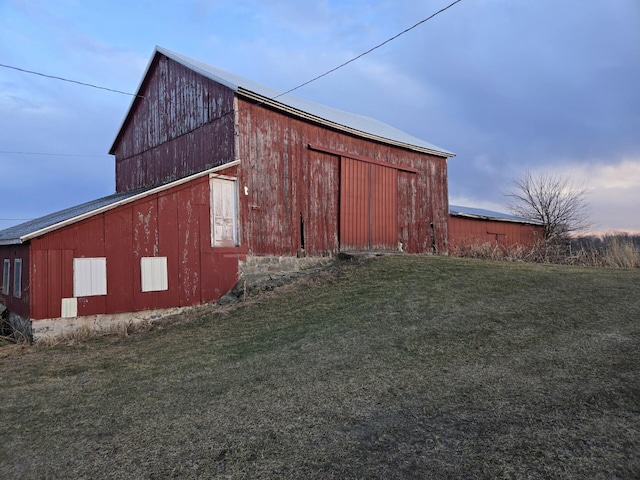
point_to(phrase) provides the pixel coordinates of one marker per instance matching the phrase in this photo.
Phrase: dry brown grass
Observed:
(402, 367)
(495, 251)
(610, 251)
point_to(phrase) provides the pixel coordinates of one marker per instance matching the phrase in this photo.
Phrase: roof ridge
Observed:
(352, 122)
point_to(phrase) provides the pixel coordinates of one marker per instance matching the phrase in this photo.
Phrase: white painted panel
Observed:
(99, 276)
(69, 307)
(89, 277)
(81, 277)
(153, 271)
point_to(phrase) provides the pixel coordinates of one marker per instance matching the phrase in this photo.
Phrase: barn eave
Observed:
(261, 100)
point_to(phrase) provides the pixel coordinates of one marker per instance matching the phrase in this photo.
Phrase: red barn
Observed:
(211, 169)
(475, 226)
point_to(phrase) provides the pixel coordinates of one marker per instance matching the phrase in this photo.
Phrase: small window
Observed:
(6, 275)
(89, 277)
(153, 271)
(17, 278)
(224, 212)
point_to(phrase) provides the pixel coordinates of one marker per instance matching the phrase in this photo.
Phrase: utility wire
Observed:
(54, 154)
(273, 98)
(368, 51)
(71, 81)
(259, 103)
(345, 63)
(229, 112)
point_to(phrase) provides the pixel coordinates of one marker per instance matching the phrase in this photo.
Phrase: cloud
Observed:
(507, 86)
(613, 191)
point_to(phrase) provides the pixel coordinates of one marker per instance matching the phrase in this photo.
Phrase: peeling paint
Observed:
(286, 181)
(171, 134)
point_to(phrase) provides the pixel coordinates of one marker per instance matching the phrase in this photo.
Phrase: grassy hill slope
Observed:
(398, 367)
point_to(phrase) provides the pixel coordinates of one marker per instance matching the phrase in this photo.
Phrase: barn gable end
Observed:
(180, 124)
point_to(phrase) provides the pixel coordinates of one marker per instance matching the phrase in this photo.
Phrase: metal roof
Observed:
(26, 230)
(481, 213)
(356, 124)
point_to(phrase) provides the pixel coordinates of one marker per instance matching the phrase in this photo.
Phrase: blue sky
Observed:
(508, 85)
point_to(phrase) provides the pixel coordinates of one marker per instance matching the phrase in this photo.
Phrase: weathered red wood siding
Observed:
(465, 232)
(175, 130)
(174, 223)
(290, 185)
(17, 305)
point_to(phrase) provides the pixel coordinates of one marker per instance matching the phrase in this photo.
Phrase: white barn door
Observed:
(224, 213)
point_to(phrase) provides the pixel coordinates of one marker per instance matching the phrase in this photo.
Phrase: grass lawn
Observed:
(398, 367)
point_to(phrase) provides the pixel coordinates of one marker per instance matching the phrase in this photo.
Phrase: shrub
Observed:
(614, 251)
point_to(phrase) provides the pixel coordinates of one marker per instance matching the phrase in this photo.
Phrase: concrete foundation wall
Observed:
(103, 323)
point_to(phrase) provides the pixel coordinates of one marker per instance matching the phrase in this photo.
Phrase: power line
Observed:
(273, 98)
(53, 154)
(228, 112)
(348, 61)
(71, 81)
(232, 110)
(352, 59)
(368, 51)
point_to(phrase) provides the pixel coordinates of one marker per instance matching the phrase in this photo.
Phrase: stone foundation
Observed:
(103, 323)
(263, 265)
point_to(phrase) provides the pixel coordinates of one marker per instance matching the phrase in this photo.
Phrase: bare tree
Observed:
(555, 201)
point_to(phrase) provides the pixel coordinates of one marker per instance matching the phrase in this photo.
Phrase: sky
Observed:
(510, 86)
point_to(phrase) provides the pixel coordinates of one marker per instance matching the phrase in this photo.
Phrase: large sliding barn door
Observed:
(368, 206)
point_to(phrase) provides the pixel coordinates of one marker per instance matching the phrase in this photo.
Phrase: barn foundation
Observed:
(56, 328)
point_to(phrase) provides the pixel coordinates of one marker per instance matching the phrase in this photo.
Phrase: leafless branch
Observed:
(559, 204)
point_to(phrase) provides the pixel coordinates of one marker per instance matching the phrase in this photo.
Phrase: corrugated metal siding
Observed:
(119, 250)
(19, 305)
(368, 206)
(464, 232)
(286, 181)
(169, 246)
(171, 133)
(174, 223)
(355, 205)
(384, 208)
